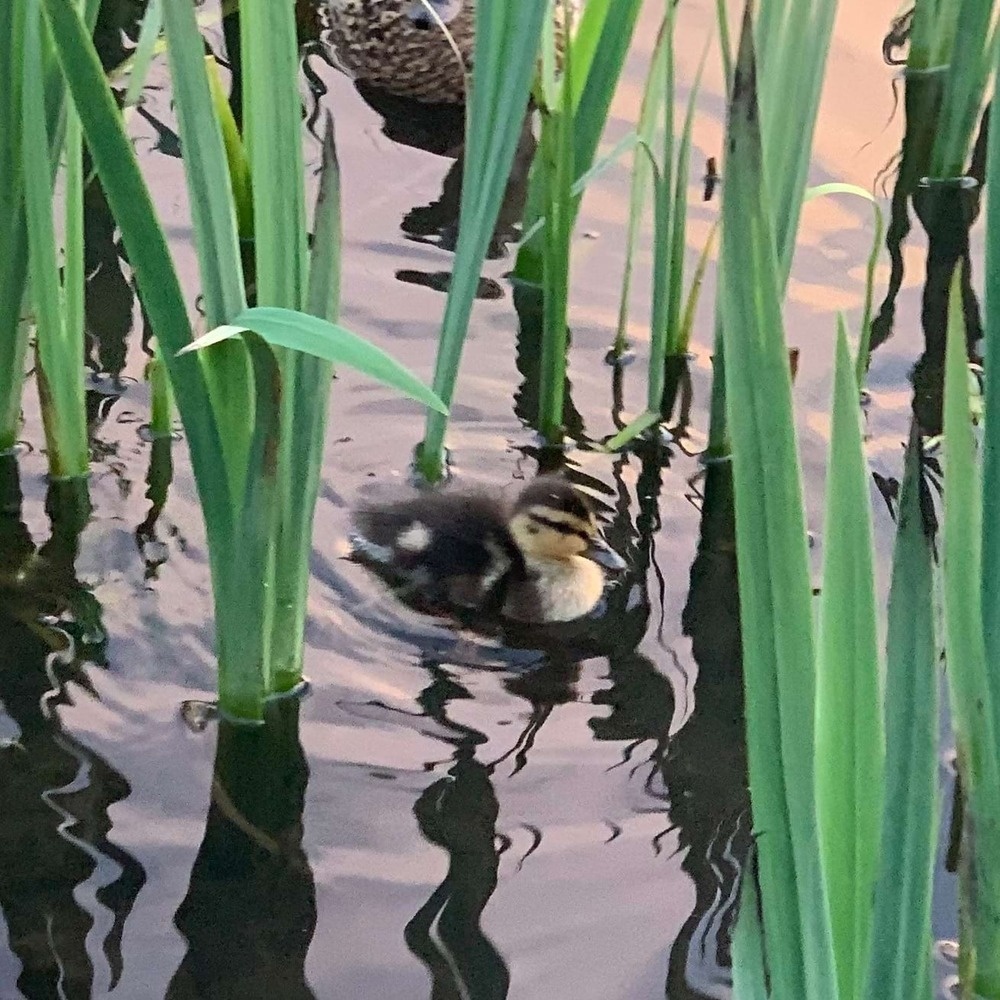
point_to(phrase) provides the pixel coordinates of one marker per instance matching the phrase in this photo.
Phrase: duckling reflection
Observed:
(57, 792)
(535, 561)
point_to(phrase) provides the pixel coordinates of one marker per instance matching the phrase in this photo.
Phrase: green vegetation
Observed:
(842, 735)
(500, 85)
(260, 381)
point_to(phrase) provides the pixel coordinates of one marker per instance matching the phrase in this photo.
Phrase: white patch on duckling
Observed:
(416, 538)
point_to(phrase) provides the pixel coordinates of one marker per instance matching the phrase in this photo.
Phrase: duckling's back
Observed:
(452, 547)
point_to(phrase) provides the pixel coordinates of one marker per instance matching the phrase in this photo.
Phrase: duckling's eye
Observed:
(532, 530)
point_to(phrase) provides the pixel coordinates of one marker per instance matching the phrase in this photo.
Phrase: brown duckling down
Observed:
(535, 560)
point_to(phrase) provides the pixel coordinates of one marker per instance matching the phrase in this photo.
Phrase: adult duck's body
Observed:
(398, 45)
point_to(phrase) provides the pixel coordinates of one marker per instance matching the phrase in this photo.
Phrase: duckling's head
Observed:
(554, 521)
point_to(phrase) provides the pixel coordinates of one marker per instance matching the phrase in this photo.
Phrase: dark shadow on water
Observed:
(946, 211)
(458, 813)
(698, 775)
(54, 826)
(250, 910)
(710, 805)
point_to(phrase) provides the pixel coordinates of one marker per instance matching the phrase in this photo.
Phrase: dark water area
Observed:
(449, 813)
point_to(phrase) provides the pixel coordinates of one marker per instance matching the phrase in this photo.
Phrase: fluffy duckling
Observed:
(397, 45)
(534, 561)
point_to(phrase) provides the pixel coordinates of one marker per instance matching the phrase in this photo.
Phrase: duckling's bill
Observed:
(602, 553)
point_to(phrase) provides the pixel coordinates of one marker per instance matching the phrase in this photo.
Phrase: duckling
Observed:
(397, 45)
(535, 561)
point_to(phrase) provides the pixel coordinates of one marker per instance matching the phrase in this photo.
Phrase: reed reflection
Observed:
(698, 775)
(250, 910)
(54, 825)
(458, 813)
(946, 210)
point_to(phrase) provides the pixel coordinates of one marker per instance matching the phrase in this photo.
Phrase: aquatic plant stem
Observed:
(501, 84)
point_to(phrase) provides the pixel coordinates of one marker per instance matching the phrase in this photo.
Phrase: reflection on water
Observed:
(57, 792)
(458, 813)
(250, 909)
(946, 210)
(696, 777)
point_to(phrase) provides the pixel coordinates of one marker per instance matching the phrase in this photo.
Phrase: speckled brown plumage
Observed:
(376, 42)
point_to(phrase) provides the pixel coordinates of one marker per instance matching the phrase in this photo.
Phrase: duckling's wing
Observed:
(456, 544)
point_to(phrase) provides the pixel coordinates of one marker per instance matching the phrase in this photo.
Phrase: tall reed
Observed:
(507, 49)
(243, 390)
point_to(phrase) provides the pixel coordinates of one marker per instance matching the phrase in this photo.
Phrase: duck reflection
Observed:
(250, 910)
(698, 775)
(54, 824)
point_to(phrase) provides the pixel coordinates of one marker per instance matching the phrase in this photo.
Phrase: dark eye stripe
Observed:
(560, 526)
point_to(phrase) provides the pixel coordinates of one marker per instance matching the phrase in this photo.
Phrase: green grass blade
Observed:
(205, 167)
(245, 609)
(971, 682)
(662, 209)
(146, 246)
(725, 44)
(59, 348)
(850, 741)
(556, 151)
(13, 234)
(600, 78)
(161, 409)
(145, 52)
(794, 39)
(678, 242)
(309, 420)
(596, 88)
(694, 292)
(864, 342)
(899, 966)
(642, 169)
(501, 83)
(322, 339)
(965, 85)
(991, 435)
(583, 41)
(641, 424)
(273, 134)
(324, 265)
(216, 240)
(236, 157)
(775, 589)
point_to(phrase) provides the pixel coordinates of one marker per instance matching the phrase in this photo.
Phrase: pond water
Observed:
(448, 814)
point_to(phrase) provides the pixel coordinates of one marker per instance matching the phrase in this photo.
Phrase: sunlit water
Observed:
(448, 814)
